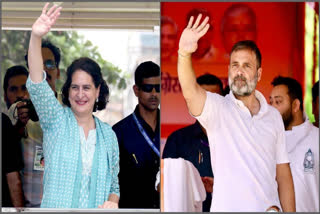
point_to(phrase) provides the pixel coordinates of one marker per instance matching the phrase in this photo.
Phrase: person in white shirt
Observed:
(249, 157)
(302, 142)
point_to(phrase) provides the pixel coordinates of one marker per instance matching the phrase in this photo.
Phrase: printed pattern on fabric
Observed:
(84, 192)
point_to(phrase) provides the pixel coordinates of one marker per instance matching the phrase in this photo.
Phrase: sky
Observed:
(111, 44)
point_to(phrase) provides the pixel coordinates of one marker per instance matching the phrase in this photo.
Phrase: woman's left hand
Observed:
(109, 205)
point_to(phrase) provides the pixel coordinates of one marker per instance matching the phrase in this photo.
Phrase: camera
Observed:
(32, 111)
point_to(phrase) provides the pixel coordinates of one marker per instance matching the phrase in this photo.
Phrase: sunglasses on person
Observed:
(49, 64)
(149, 87)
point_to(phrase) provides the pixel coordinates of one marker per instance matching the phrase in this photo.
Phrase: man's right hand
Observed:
(21, 117)
(208, 183)
(23, 112)
(192, 33)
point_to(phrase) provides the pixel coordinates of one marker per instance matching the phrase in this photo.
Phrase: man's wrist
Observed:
(183, 54)
(273, 209)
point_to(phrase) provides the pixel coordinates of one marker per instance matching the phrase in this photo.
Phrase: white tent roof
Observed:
(85, 15)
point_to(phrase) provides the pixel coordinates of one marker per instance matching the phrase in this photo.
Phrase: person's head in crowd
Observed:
(42, 161)
(147, 85)
(205, 43)
(315, 103)
(85, 90)
(51, 59)
(244, 68)
(238, 23)
(226, 90)
(169, 33)
(14, 84)
(286, 96)
(210, 82)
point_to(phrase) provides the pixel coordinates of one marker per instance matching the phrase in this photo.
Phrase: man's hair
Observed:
(55, 51)
(12, 72)
(165, 20)
(294, 88)
(315, 92)
(146, 70)
(210, 79)
(248, 45)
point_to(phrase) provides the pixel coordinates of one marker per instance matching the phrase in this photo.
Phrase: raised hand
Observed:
(47, 19)
(192, 33)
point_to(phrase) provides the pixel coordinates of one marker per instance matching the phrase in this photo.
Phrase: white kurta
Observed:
(303, 148)
(183, 187)
(246, 150)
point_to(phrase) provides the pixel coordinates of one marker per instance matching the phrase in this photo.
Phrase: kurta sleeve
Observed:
(281, 149)
(212, 108)
(48, 108)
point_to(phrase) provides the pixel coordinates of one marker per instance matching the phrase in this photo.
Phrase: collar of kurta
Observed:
(258, 95)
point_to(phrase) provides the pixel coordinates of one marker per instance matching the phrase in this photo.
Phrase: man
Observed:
(191, 142)
(302, 140)
(315, 103)
(238, 23)
(51, 59)
(246, 135)
(169, 33)
(14, 88)
(26, 124)
(139, 142)
(12, 163)
(26, 129)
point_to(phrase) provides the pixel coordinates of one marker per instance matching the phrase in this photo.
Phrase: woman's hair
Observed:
(93, 69)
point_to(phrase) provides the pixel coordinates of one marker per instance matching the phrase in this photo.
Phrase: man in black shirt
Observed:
(12, 163)
(139, 142)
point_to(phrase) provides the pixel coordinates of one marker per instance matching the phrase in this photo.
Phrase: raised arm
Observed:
(39, 29)
(194, 95)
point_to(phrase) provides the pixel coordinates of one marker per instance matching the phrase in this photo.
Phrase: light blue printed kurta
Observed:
(63, 162)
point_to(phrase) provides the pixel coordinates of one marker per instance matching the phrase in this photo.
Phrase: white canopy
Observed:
(85, 15)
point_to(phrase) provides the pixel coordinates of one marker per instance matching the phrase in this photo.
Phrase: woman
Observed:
(81, 153)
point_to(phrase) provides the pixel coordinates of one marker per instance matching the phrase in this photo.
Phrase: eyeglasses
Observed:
(49, 64)
(149, 87)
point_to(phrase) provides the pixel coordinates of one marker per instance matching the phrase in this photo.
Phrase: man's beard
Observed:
(246, 89)
(287, 118)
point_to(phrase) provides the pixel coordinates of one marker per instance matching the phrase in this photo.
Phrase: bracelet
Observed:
(179, 53)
